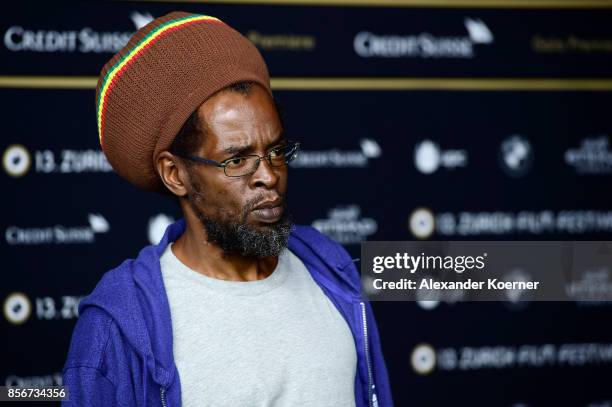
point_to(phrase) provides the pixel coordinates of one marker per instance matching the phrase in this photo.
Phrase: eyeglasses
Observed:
(248, 164)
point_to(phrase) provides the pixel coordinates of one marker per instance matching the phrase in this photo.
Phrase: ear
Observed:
(172, 173)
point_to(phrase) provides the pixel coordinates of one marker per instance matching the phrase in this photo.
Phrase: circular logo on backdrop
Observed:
(17, 308)
(421, 223)
(157, 227)
(516, 156)
(427, 156)
(16, 160)
(423, 359)
(428, 304)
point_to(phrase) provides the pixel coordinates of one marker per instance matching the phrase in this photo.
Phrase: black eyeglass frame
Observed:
(291, 146)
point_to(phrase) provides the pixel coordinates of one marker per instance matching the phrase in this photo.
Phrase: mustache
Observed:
(251, 203)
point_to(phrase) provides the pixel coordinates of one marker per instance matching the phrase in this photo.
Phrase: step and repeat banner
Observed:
(454, 120)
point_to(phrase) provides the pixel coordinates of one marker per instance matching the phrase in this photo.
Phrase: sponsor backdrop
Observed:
(457, 120)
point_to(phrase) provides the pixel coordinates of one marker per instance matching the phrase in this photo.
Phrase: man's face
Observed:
(239, 125)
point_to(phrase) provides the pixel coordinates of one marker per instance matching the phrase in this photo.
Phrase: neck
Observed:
(195, 251)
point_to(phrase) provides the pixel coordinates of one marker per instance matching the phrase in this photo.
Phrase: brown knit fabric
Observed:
(162, 85)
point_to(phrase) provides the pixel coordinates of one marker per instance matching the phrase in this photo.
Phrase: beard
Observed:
(238, 237)
(247, 240)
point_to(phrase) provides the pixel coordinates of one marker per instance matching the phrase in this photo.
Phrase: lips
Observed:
(269, 211)
(269, 204)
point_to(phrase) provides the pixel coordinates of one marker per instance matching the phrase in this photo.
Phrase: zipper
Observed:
(162, 393)
(372, 399)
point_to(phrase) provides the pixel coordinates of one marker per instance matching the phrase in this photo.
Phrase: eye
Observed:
(278, 151)
(235, 162)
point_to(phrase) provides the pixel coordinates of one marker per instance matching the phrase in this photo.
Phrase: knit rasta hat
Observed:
(149, 89)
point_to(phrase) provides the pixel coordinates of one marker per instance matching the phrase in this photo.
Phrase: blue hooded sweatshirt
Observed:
(121, 348)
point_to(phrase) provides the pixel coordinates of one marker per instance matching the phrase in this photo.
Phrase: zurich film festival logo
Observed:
(423, 359)
(85, 40)
(17, 308)
(429, 157)
(421, 223)
(368, 149)
(592, 156)
(345, 225)
(515, 156)
(16, 160)
(57, 234)
(424, 45)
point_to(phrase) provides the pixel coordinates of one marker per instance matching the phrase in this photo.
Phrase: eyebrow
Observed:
(238, 150)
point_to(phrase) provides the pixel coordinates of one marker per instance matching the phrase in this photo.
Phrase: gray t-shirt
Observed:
(273, 342)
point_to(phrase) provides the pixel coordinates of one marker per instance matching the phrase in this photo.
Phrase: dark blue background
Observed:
(387, 190)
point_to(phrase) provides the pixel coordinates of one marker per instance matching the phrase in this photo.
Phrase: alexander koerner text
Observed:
(469, 284)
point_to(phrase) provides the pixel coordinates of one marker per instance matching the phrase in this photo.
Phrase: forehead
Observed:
(235, 119)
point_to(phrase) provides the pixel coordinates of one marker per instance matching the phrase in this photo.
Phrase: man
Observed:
(235, 306)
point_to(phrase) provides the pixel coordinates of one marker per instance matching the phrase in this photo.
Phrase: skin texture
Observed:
(233, 121)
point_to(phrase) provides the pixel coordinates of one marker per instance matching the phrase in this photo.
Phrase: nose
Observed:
(265, 175)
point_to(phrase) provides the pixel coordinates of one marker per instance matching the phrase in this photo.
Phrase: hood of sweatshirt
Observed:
(134, 296)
